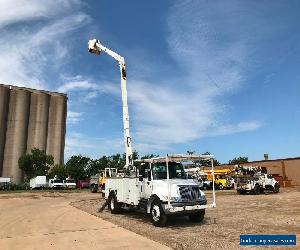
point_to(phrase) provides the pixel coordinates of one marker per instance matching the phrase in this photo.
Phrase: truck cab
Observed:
(160, 187)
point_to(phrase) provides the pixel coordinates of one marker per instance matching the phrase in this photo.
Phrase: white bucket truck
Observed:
(159, 185)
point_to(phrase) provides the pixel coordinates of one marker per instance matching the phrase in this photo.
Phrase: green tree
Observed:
(59, 171)
(36, 163)
(206, 163)
(148, 156)
(76, 167)
(239, 160)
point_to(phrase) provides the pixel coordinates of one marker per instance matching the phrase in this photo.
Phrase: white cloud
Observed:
(213, 59)
(236, 128)
(78, 143)
(86, 88)
(74, 117)
(27, 52)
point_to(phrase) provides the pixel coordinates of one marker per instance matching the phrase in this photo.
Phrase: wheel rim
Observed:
(155, 213)
(112, 204)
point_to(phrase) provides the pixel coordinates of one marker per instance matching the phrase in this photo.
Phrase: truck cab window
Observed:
(176, 171)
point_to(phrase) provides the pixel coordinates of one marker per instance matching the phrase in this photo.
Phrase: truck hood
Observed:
(161, 186)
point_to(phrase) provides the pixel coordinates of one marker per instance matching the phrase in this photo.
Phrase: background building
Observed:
(30, 118)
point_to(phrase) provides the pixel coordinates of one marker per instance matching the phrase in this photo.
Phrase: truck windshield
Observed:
(176, 171)
(70, 181)
(57, 181)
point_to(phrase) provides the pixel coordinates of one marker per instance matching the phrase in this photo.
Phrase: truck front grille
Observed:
(189, 193)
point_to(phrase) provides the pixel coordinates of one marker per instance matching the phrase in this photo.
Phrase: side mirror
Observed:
(141, 178)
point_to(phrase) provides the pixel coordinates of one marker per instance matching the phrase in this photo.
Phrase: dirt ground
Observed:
(235, 214)
(46, 220)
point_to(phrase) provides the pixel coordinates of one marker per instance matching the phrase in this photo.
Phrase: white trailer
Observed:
(38, 182)
(160, 185)
(5, 180)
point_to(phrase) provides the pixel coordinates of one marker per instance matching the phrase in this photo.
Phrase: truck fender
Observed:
(150, 201)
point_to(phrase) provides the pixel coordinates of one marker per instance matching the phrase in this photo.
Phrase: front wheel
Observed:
(197, 217)
(276, 189)
(158, 216)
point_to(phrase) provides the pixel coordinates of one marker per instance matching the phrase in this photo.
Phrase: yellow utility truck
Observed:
(223, 178)
(97, 182)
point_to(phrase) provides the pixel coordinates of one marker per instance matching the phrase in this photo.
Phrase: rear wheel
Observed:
(94, 188)
(220, 187)
(197, 217)
(113, 205)
(158, 216)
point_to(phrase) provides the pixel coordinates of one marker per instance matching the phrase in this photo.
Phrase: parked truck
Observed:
(161, 188)
(257, 184)
(38, 182)
(56, 183)
(69, 183)
(158, 185)
(5, 183)
(97, 182)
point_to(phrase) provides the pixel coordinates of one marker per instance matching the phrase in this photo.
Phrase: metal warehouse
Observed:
(30, 118)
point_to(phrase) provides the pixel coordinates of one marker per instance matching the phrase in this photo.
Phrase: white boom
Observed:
(96, 47)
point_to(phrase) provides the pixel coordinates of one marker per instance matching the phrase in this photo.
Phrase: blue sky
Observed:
(218, 76)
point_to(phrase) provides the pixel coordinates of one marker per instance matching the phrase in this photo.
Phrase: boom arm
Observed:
(96, 47)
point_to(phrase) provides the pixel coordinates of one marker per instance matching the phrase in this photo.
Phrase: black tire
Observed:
(241, 191)
(262, 190)
(158, 216)
(256, 190)
(205, 187)
(94, 188)
(198, 216)
(276, 189)
(113, 205)
(220, 187)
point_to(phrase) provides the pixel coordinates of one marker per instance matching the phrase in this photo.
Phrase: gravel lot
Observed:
(235, 214)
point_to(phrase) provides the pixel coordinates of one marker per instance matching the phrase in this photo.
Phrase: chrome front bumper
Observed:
(186, 208)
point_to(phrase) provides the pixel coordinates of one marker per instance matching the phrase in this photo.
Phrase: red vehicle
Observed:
(82, 184)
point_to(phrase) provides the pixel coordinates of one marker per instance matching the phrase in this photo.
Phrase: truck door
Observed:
(146, 183)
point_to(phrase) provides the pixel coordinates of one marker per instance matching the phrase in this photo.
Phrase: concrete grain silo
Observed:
(57, 127)
(16, 133)
(4, 98)
(38, 121)
(29, 119)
